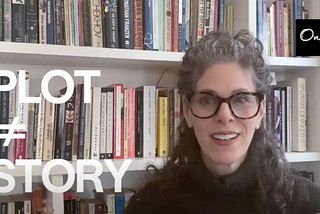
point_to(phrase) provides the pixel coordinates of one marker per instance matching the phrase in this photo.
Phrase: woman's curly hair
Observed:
(276, 179)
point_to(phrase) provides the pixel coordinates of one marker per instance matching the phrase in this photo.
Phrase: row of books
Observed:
(168, 25)
(39, 200)
(286, 114)
(276, 25)
(119, 123)
(126, 123)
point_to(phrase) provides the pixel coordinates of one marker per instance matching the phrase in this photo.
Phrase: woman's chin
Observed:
(226, 159)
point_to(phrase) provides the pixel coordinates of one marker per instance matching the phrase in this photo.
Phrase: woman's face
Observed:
(223, 138)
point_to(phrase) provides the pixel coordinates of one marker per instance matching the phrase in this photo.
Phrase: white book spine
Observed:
(109, 133)
(103, 127)
(95, 131)
(39, 144)
(12, 111)
(30, 131)
(49, 129)
(155, 13)
(149, 121)
(27, 207)
(87, 139)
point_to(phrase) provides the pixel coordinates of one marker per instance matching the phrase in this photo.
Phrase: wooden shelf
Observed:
(90, 57)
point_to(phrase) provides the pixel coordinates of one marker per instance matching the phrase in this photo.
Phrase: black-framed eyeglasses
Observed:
(243, 105)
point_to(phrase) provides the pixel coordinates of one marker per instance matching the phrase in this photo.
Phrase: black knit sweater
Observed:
(200, 192)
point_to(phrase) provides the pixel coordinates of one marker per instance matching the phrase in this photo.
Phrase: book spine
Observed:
(40, 135)
(48, 131)
(103, 127)
(175, 26)
(96, 23)
(161, 25)
(58, 25)
(50, 18)
(42, 8)
(69, 127)
(138, 24)
(155, 25)
(80, 27)
(4, 119)
(139, 124)
(7, 10)
(95, 135)
(71, 23)
(1, 20)
(76, 22)
(118, 122)
(66, 22)
(167, 25)
(30, 131)
(76, 126)
(82, 125)
(87, 135)
(109, 148)
(86, 22)
(131, 123)
(18, 21)
(32, 21)
(148, 20)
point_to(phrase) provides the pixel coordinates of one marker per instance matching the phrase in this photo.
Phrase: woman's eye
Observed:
(206, 100)
(241, 99)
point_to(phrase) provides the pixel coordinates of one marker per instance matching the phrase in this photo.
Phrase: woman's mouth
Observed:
(225, 136)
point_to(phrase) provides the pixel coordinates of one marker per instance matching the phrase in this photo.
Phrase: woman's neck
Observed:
(221, 169)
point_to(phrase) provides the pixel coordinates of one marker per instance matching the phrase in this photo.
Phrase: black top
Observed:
(201, 192)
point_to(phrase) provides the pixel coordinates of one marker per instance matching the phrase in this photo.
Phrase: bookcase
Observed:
(144, 67)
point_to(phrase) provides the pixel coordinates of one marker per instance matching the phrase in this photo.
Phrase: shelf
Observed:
(295, 157)
(137, 164)
(91, 58)
(85, 57)
(279, 64)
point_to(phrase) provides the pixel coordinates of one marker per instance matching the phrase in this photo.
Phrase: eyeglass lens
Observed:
(243, 105)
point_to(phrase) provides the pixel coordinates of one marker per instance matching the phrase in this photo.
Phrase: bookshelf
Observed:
(141, 67)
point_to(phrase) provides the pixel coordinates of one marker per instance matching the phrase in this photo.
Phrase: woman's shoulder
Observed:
(307, 192)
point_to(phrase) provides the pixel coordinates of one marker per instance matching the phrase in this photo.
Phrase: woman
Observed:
(225, 160)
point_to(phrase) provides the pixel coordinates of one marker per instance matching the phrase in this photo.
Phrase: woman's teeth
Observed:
(225, 137)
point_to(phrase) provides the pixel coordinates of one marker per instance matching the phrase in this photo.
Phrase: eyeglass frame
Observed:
(227, 100)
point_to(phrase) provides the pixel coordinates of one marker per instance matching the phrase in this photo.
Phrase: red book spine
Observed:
(21, 146)
(175, 26)
(131, 123)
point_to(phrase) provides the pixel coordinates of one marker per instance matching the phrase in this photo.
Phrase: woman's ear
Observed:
(186, 111)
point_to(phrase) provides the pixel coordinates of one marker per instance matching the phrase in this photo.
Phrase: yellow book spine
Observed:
(162, 141)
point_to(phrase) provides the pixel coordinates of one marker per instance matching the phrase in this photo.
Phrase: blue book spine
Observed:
(183, 26)
(75, 22)
(119, 203)
(148, 25)
(221, 14)
(50, 25)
